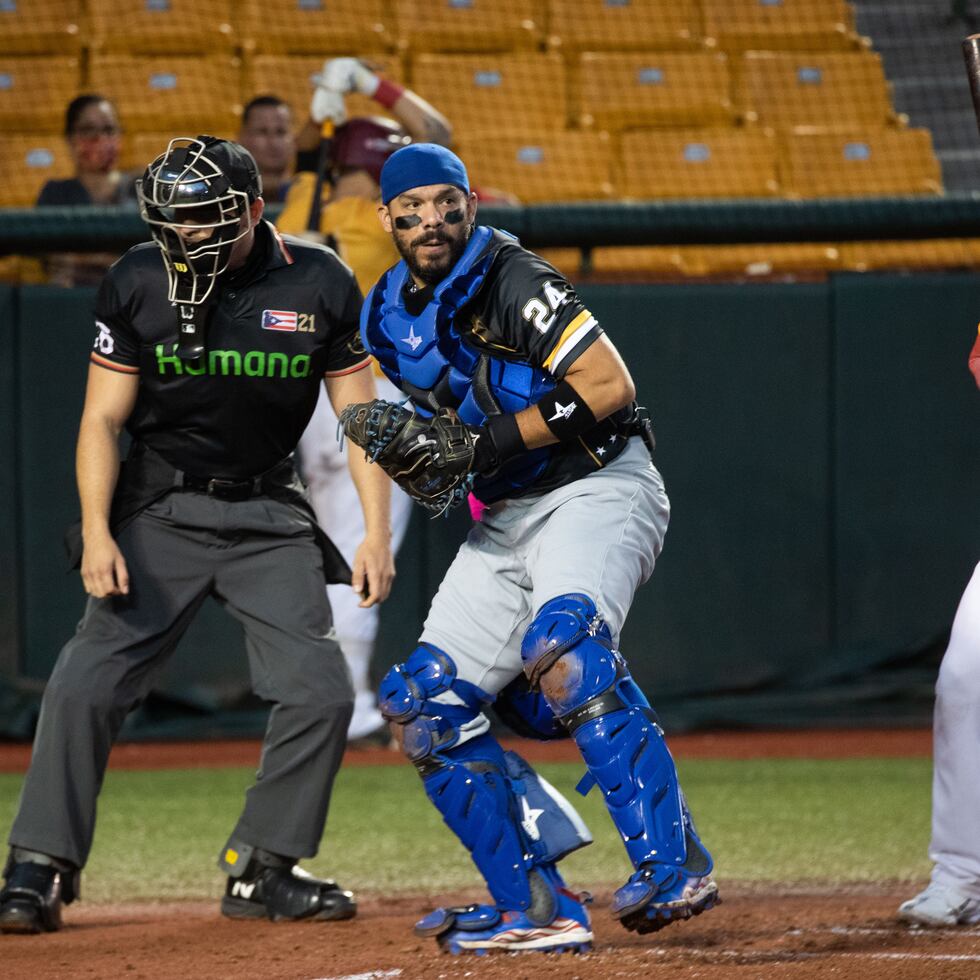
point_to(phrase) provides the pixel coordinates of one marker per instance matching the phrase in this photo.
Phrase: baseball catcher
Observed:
(518, 397)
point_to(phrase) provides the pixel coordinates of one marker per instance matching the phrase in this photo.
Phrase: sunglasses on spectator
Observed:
(92, 132)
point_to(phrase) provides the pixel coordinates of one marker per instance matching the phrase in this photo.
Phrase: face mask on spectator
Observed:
(99, 151)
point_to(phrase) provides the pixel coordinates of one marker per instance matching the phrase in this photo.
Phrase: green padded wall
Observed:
(10, 634)
(736, 379)
(907, 431)
(54, 336)
(819, 442)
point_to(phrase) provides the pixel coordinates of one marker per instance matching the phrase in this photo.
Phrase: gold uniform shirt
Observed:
(352, 221)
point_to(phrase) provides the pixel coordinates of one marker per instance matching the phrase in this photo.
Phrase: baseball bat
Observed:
(971, 55)
(322, 166)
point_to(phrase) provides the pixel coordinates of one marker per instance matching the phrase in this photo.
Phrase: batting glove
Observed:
(347, 75)
(327, 103)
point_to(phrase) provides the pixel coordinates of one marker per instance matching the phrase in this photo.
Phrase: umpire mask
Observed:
(193, 197)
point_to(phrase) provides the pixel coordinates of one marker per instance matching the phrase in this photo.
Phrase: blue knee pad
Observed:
(510, 820)
(527, 713)
(591, 691)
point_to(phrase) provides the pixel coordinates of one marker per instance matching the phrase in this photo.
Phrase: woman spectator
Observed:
(94, 137)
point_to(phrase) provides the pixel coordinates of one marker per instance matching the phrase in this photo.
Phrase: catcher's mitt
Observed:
(431, 459)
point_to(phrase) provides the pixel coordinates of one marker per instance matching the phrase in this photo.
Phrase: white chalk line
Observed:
(783, 955)
(372, 975)
(906, 932)
(780, 956)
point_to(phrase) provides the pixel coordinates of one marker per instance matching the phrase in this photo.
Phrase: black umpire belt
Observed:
(224, 489)
(279, 475)
(146, 477)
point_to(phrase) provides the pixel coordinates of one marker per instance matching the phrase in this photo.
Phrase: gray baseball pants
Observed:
(259, 559)
(599, 536)
(955, 844)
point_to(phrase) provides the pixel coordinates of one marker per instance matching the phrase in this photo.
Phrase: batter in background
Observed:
(528, 617)
(348, 222)
(952, 897)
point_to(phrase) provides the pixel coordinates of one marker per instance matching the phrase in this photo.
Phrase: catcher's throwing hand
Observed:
(431, 459)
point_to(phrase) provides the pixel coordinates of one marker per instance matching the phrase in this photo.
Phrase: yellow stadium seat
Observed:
(35, 91)
(497, 93)
(598, 25)
(27, 162)
(543, 166)
(288, 76)
(321, 27)
(698, 163)
(568, 261)
(936, 253)
(177, 27)
(884, 161)
(626, 262)
(622, 90)
(472, 25)
(759, 260)
(833, 89)
(30, 28)
(800, 25)
(188, 95)
(141, 149)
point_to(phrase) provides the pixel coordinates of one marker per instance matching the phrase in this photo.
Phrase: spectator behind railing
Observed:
(267, 133)
(94, 139)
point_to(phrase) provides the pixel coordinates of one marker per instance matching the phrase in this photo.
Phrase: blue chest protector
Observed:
(428, 358)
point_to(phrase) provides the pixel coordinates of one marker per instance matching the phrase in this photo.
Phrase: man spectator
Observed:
(267, 133)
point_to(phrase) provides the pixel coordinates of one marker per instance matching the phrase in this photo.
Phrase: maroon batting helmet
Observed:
(364, 143)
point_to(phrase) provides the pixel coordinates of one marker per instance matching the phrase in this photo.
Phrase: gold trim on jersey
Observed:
(579, 321)
(480, 331)
(595, 459)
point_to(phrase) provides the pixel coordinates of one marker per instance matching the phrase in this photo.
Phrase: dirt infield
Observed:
(755, 935)
(829, 744)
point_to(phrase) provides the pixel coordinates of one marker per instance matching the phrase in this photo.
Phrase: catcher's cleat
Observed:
(483, 929)
(285, 894)
(31, 900)
(657, 895)
(940, 905)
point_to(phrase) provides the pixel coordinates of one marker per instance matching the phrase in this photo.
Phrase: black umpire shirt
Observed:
(276, 327)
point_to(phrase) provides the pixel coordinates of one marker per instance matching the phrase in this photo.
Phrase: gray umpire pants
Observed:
(259, 559)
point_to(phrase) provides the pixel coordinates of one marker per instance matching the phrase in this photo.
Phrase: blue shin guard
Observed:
(590, 689)
(513, 823)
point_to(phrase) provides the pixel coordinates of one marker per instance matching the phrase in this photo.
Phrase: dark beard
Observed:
(433, 274)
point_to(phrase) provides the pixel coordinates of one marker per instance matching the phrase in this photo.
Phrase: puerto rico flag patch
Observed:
(279, 320)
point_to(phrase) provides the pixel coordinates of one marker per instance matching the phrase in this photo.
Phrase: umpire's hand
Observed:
(104, 569)
(373, 570)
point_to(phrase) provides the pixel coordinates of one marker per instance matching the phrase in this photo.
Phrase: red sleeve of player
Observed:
(975, 360)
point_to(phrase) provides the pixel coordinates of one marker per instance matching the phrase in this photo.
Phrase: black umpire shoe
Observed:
(285, 893)
(31, 900)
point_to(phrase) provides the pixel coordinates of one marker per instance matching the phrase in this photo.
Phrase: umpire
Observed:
(210, 348)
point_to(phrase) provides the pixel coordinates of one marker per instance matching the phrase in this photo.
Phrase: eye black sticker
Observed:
(405, 221)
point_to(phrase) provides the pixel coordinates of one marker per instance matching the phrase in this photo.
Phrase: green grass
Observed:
(787, 821)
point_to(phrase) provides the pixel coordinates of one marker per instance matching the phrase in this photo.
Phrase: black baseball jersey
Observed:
(274, 330)
(525, 310)
(528, 317)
